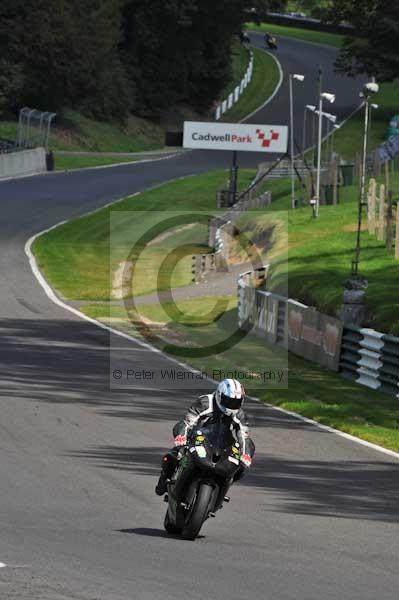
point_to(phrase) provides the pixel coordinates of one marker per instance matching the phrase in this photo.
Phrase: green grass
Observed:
(320, 253)
(264, 81)
(75, 132)
(307, 35)
(312, 391)
(349, 140)
(239, 63)
(75, 257)
(65, 162)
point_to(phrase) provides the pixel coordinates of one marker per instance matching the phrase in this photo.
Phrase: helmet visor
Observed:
(231, 403)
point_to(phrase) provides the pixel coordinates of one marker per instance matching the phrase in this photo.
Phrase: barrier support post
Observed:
(371, 206)
(381, 216)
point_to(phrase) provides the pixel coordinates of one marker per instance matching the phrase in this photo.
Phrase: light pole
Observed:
(311, 108)
(372, 107)
(332, 119)
(300, 78)
(330, 98)
(368, 90)
(336, 128)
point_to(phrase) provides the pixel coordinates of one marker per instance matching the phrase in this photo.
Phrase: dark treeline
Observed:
(107, 58)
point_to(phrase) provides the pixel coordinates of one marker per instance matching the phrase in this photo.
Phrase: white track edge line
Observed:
(276, 90)
(54, 298)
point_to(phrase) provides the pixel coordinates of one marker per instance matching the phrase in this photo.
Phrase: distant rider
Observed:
(224, 404)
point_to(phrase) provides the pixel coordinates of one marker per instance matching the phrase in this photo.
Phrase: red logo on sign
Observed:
(267, 141)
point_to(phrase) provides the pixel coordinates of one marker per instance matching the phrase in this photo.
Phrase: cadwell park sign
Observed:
(242, 137)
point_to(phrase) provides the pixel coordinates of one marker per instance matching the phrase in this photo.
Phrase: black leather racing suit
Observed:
(206, 410)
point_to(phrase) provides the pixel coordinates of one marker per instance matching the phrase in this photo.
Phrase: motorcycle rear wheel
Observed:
(198, 513)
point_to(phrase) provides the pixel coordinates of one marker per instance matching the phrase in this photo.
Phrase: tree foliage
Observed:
(373, 48)
(110, 57)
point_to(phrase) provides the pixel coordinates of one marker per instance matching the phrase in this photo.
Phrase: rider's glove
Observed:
(246, 460)
(180, 440)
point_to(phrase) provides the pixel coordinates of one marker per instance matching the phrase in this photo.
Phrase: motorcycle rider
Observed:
(270, 40)
(224, 404)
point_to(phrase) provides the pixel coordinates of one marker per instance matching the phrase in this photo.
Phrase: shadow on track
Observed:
(160, 533)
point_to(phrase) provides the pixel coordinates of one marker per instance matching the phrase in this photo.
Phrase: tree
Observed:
(67, 51)
(373, 48)
(178, 51)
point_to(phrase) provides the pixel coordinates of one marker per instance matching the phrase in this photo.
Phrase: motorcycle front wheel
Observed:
(169, 526)
(198, 512)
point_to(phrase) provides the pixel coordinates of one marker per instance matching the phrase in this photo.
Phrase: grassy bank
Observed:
(75, 257)
(320, 253)
(349, 138)
(307, 35)
(239, 62)
(264, 81)
(74, 132)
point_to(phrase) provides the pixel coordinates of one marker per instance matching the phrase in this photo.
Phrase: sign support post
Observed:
(233, 179)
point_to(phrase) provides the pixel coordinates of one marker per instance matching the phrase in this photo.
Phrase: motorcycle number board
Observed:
(232, 136)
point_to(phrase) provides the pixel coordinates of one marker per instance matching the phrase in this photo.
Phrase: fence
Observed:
(300, 329)
(383, 217)
(234, 96)
(34, 128)
(25, 162)
(220, 232)
(371, 358)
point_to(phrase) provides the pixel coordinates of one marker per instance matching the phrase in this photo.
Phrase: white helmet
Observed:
(229, 396)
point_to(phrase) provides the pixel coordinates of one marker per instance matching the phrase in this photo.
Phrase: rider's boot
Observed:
(161, 487)
(169, 462)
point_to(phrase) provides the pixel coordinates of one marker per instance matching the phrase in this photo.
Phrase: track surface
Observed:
(317, 519)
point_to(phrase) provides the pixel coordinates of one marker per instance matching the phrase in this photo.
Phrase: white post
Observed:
(292, 145)
(318, 180)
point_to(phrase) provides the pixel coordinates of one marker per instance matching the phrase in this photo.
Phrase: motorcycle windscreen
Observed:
(218, 435)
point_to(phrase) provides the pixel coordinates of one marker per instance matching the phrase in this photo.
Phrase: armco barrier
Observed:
(367, 356)
(27, 162)
(371, 358)
(234, 96)
(301, 330)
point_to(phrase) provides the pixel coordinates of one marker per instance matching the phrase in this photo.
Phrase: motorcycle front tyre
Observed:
(198, 513)
(169, 526)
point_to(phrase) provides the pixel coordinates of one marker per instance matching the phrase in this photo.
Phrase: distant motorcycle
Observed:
(204, 474)
(271, 42)
(244, 38)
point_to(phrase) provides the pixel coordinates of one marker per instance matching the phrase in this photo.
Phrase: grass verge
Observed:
(349, 140)
(69, 162)
(264, 81)
(75, 257)
(320, 253)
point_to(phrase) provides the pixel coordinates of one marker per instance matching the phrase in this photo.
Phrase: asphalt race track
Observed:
(317, 519)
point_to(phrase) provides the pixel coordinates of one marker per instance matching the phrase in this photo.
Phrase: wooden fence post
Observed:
(389, 223)
(397, 233)
(335, 181)
(381, 216)
(371, 206)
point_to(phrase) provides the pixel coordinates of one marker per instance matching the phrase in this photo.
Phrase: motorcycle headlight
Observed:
(201, 451)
